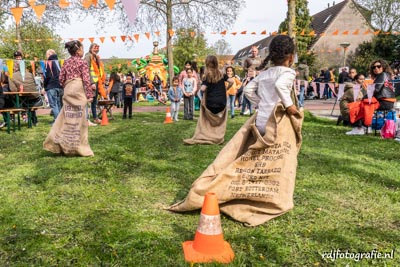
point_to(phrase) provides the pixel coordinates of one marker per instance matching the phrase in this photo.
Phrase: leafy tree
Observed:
(222, 47)
(168, 15)
(191, 48)
(382, 46)
(301, 28)
(385, 13)
(36, 39)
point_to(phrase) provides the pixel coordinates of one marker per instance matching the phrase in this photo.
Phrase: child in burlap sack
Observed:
(254, 175)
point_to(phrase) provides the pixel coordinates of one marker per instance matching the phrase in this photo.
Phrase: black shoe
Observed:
(241, 114)
(124, 117)
(232, 116)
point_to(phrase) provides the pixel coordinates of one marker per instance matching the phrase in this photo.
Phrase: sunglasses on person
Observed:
(376, 67)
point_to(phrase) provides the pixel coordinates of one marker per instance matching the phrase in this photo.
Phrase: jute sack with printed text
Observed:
(253, 176)
(210, 128)
(69, 133)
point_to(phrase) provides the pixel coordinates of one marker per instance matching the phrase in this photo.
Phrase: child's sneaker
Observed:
(356, 131)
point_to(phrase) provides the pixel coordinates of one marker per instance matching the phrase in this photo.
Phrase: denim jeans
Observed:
(53, 95)
(93, 105)
(231, 101)
(301, 95)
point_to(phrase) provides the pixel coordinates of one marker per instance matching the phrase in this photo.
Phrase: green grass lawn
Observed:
(108, 210)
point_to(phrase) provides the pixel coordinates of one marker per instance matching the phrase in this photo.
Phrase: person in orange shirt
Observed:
(231, 88)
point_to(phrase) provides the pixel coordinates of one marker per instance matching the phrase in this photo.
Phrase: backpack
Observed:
(388, 129)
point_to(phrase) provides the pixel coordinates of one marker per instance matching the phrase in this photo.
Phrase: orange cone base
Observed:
(104, 118)
(191, 255)
(168, 120)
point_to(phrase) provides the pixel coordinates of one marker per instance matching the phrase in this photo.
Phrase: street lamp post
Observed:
(345, 45)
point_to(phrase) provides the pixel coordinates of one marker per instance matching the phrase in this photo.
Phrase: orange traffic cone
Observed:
(104, 118)
(168, 118)
(208, 244)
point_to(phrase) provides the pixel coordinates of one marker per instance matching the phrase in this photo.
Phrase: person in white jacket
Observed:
(275, 84)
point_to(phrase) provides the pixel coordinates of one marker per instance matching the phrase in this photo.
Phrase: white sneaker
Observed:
(247, 112)
(91, 123)
(356, 131)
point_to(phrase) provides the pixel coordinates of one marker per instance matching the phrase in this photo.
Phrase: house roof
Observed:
(323, 19)
(320, 23)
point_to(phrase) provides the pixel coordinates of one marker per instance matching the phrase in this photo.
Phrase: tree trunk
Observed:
(169, 41)
(292, 18)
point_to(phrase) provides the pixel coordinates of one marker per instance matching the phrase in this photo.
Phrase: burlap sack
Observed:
(210, 127)
(253, 176)
(69, 133)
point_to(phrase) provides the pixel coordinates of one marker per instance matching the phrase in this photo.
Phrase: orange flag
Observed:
(274, 33)
(123, 38)
(302, 32)
(264, 32)
(63, 4)
(192, 34)
(345, 33)
(136, 36)
(171, 33)
(17, 13)
(39, 9)
(81, 39)
(86, 3)
(312, 33)
(243, 32)
(335, 32)
(253, 33)
(110, 4)
(94, 2)
(284, 33)
(157, 33)
(113, 38)
(233, 33)
(377, 32)
(367, 32)
(102, 39)
(147, 35)
(31, 2)
(223, 32)
(356, 32)
(91, 39)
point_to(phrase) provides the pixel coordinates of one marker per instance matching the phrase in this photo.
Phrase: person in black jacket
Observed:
(381, 73)
(52, 84)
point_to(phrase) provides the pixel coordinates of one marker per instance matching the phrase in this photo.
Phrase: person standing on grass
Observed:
(175, 94)
(113, 88)
(69, 133)
(231, 88)
(128, 90)
(245, 102)
(52, 84)
(189, 83)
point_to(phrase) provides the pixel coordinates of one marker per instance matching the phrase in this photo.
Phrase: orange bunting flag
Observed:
(81, 39)
(367, 32)
(171, 33)
(123, 38)
(253, 33)
(302, 32)
(136, 36)
(147, 35)
(39, 9)
(91, 39)
(113, 38)
(377, 32)
(110, 4)
(94, 2)
(312, 33)
(17, 13)
(335, 32)
(345, 33)
(192, 34)
(284, 33)
(243, 32)
(223, 32)
(31, 2)
(264, 32)
(274, 33)
(102, 39)
(63, 4)
(86, 3)
(157, 33)
(356, 32)
(233, 33)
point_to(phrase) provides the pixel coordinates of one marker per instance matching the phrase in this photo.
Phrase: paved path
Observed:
(322, 108)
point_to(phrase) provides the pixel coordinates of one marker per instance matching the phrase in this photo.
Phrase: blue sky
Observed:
(258, 15)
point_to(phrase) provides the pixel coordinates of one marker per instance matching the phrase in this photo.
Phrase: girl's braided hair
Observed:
(280, 48)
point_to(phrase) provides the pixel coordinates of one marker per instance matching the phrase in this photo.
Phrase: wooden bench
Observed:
(9, 112)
